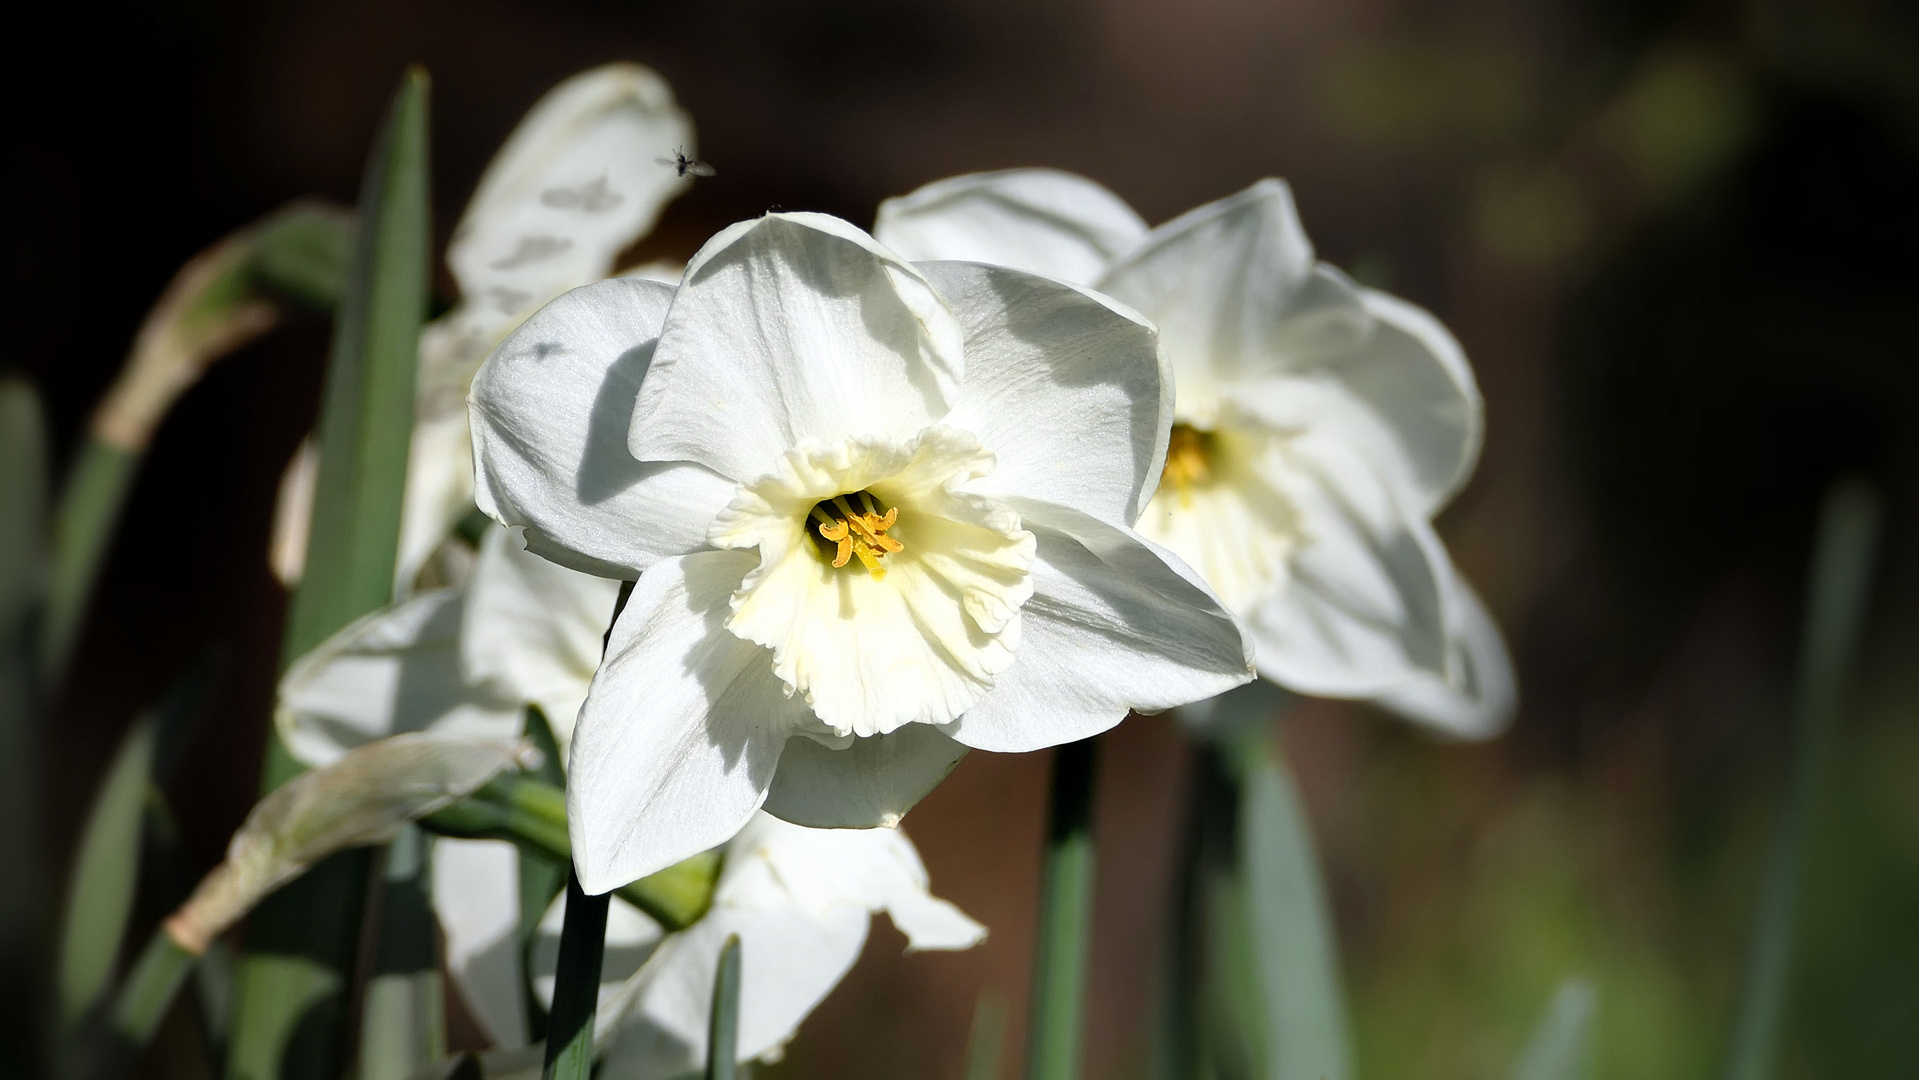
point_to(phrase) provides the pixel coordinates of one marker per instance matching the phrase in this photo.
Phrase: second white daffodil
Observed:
(879, 513)
(1320, 426)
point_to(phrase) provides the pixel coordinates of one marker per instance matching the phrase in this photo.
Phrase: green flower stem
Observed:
(1836, 596)
(723, 1024)
(90, 504)
(150, 987)
(1065, 918)
(576, 985)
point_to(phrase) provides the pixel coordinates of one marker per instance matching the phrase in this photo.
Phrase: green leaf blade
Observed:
(1305, 1033)
(105, 874)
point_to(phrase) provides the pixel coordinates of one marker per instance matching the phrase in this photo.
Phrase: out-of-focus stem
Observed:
(1836, 596)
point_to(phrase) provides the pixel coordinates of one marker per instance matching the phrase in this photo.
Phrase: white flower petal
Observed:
(534, 629)
(476, 894)
(394, 670)
(873, 782)
(790, 327)
(578, 181)
(681, 731)
(1413, 373)
(1234, 290)
(1116, 624)
(1070, 393)
(1365, 605)
(1040, 220)
(550, 410)
(1477, 696)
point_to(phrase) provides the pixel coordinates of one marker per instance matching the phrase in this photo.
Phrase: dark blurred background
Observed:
(1679, 243)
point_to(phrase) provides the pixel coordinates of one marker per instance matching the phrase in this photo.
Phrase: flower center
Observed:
(855, 527)
(1189, 462)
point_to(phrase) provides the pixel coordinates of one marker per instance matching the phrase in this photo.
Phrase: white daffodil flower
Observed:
(883, 513)
(800, 899)
(1320, 425)
(578, 182)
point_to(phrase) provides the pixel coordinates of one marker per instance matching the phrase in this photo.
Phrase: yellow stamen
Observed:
(858, 533)
(1188, 461)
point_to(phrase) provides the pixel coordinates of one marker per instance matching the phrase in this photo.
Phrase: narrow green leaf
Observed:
(1559, 1047)
(1836, 598)
(291, 1015)
(23, 498)
(90, 502)
(987, 1039)
(576, 985)
(366, 418)
(1296, 956)
(723, 1024)
(106, 866)
(1058, 1007)
(100, 892)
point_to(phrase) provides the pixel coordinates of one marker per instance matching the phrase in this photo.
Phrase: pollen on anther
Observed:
(857, 532)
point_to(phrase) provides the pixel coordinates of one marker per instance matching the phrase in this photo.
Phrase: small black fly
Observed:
(687, 166)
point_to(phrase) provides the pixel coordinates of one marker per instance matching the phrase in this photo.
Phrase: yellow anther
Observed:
(858, 533)
(1188, 461)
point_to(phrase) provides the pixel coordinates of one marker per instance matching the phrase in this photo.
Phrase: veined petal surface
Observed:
(1070, 393)
(1044, 221)
(681, 731)
(793, 327)
(551, 410)
(1116, 624)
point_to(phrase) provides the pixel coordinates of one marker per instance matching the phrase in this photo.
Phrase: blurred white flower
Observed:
(578, 181)
(883, 514)
(800, 899)
(1319, 427)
